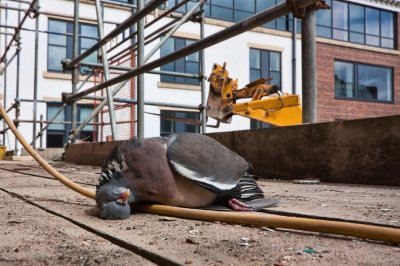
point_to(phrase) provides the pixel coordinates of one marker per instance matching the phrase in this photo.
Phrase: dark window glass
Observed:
(222, 13)
(324, 16)
(340, 22)
(55, 139)
(170, 123)
(372, 21)
(364, 82)
(124, 1)
(374, 83)
(387, 24)
(57, 134)
(357, 24)
(245, 5)
(258, 124)
(189, 64)
(265, 64)
(60, 42)
(224, 3)
(344, 79)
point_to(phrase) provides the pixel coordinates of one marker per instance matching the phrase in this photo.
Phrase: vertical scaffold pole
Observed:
(35, 73)
(140, 78)
(75, 70)
(5, 77)
(203, 81)
(106, 71)
(17, 84)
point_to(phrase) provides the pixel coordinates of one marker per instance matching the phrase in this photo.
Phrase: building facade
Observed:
(358, 64)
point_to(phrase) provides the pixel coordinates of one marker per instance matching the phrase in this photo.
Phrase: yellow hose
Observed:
(84, 191)
(314, 225)
(380, 233)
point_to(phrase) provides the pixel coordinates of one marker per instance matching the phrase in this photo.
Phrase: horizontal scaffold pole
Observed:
(236, 29)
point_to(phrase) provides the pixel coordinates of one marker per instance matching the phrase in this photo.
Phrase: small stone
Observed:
(385, 210)
(191, 241)
(16, 250)
(188, 261)
(166, 219)
(194, 232)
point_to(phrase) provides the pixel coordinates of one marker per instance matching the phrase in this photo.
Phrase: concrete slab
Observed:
(61, 226)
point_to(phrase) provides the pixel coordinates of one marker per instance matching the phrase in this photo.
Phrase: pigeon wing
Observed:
(206, 161)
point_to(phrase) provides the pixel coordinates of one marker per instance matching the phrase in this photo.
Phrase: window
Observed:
(265, 64)
(258, 124)
(57, 134)
(189, 64)
(60, 42)
(237, 10)
(357, 24)
(125, 1)
(363, 82)
(170, 122)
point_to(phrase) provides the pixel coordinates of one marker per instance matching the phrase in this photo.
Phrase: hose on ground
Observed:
(379, 233)
(72, 185)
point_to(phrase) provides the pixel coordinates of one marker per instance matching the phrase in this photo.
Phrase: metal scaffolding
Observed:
(110, 58)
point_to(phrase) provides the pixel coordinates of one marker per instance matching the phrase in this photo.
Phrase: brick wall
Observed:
(330, 108)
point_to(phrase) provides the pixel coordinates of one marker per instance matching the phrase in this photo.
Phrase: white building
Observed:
(263, 51)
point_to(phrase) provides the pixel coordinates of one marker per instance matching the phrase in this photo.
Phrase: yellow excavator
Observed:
(267, 104)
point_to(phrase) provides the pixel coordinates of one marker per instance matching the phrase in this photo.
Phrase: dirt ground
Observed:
(45, 223)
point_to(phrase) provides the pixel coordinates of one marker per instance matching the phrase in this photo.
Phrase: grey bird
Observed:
(186, 170)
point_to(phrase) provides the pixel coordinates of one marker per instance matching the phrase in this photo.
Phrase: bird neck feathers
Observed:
(112, 169)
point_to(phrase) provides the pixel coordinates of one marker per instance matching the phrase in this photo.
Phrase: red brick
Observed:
(330, 108)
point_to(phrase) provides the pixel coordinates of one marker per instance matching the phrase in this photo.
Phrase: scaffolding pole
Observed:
(133, 101)
(155, 72)
(36, 74)
(174, 29)
(17, 109)
(164, 14)
(140, 78)
(62, 108)
(34, 6)
(203, 109)
(76, 69)
(236, 29)
(5, 78)
(106, 72)
(123, 26)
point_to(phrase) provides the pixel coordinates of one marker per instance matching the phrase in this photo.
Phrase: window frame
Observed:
(69, 41)
(349, 32)
(186, 60)
(356, 83)
(268, 52)
(67, 117)
(173, 123)
(235, 11)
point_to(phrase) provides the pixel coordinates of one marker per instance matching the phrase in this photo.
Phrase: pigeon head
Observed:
(113, 195)
(114, 202)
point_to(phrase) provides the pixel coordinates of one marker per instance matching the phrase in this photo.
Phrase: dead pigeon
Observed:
(187, 170)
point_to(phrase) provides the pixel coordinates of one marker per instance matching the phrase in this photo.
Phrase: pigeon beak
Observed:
(124, 196)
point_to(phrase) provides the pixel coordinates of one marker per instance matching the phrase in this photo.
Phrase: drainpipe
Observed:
(294, 56)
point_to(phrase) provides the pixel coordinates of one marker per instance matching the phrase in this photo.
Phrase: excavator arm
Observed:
(266, 104)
